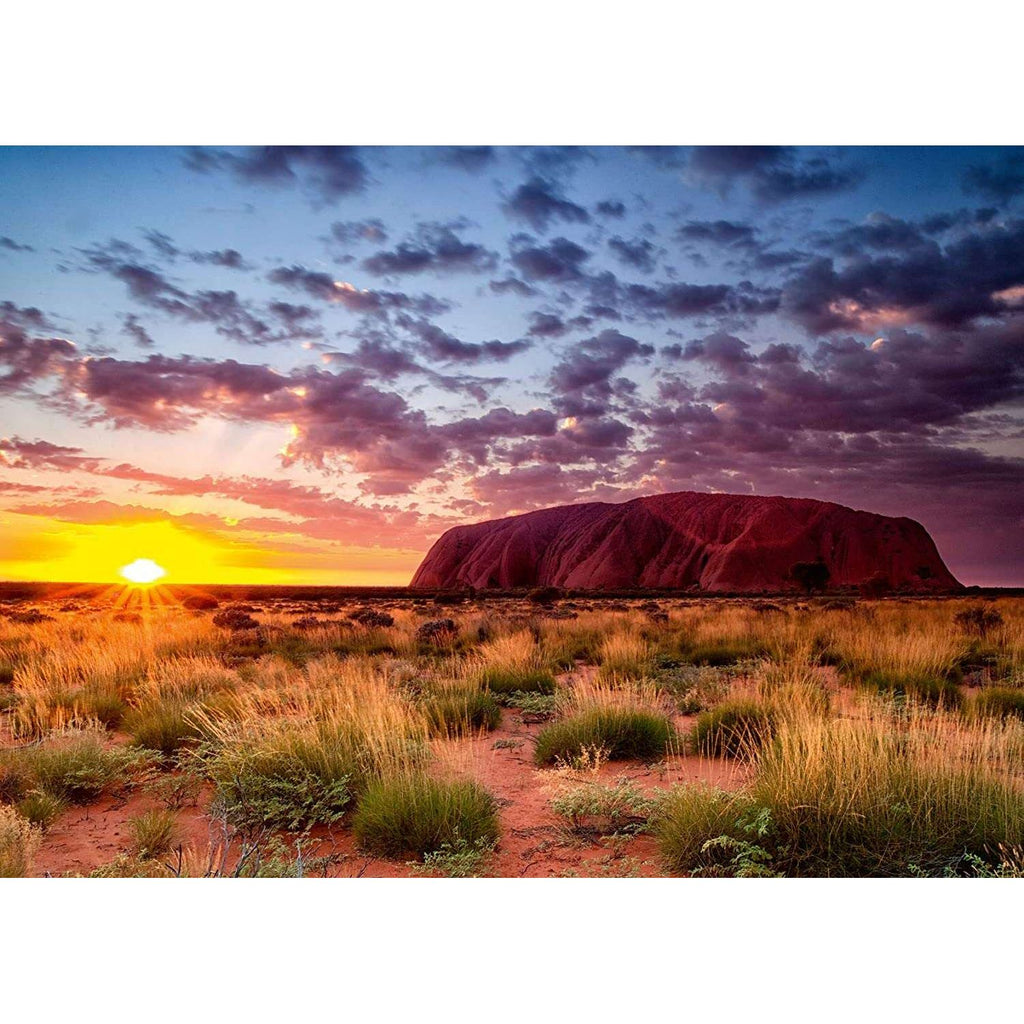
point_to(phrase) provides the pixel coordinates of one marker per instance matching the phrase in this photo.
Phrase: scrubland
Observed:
(585, 736)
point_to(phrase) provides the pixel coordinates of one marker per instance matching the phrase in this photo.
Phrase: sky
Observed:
(303, 364)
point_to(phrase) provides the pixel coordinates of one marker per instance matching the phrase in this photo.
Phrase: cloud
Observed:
(558, 260)
(436, 248)
(326, 173)
(637, 253)
(915, 281)
(365, 301)
(586, 368)
(471, 159)
(438, 344)
(24, 359)
(612, 208)
(1000, 181)
(12, 246)
(538, 202)
(350, 232)
(772, 173)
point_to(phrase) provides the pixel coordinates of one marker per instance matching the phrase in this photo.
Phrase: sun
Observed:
(142, 571)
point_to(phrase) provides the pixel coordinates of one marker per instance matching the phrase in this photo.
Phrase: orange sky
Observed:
(42, 548)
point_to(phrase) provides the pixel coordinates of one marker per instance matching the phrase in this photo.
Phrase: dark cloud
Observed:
(326, 173)
(538, 202)
(354, 231)
(434, 247)
(559, 260)
(587, 368)
(11, 245)
(513, 286)
(772, 173)
(366, 301)
(976, 274)
(20, 454)
(131, 326)
(25, 359)
(718, 232)
(439, 345)
(637, 252)
(471, 159)
(1000, 181)
(611, 208)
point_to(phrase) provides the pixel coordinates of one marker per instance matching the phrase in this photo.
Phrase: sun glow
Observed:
(142, 571)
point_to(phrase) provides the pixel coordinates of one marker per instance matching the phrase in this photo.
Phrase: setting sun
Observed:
(142, 570)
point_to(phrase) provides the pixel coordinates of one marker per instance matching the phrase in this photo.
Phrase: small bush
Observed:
(437, 633)
(689, 818)
(624, 733)
(19, 840)
(417, 814)
(455, 712)
(200, 602)
(6, 673)
(978, 621)
(513, 679)
(596, 809)
(75, 767)
(533, 707)
(933, 690)
(166, 726)
(456, 860)
(998, 702)
(293, 787)
(234, 619)
(544, 596)
(721, 653)
(372, 619)
(694, 688)
(154, 833)
(41, 808)
(624, 656)
(735, 728)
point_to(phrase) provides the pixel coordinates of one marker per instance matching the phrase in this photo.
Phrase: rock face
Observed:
(715, 542)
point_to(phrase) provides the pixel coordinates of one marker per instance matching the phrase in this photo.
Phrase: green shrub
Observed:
(19, 840)
(722, 652)
(456, 712)
(292, 785)
(415, 813)
(503, 680)
(597, 809)
(75, 767)
(166, 726)
(935, 691)
(41, 808)
(858, 798)
(735, 728)
(998, 702)
(623, 733)
(701, 829)
(154, 833)
(456, 860)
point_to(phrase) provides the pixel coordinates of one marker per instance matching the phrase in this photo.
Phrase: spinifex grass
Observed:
(415, 813)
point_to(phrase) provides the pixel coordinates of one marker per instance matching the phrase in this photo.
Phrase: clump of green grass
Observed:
(74, 767)
(502, 680)
(860, 798)
(414, 813)
(19, 840)
(997, 702)
(933, 690)
(735, 728)
(455, 711)
(722, 652)
(41, 808)
(165, 726)
(624, 733)
(154, 833)
(690, 823)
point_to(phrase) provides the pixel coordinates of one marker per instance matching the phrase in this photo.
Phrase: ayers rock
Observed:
(733, 543)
